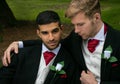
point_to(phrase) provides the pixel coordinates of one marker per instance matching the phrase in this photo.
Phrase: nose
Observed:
(76, 29)
(51, 36)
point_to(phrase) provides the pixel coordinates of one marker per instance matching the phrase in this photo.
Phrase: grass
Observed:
(29, 9)
(110, 12)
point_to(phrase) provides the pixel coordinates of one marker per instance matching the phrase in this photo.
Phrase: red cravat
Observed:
(92, 43)
(48, 56)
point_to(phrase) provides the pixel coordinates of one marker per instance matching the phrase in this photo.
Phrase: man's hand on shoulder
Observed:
(13, 47)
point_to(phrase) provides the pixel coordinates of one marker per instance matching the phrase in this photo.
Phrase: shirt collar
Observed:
(44, 48)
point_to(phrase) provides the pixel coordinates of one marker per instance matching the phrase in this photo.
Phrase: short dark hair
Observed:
(47, 17)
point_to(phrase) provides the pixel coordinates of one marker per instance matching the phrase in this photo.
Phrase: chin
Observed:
(52, 47)
(84, 38)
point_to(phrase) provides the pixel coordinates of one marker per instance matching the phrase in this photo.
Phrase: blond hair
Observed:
(89, 7)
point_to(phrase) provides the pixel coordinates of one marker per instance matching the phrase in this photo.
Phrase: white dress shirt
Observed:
(43, 69)
(93, 60)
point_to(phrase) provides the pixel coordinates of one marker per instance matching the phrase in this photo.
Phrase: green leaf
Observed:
(61, 72)
(113, 59)
(109, 48)
(52, 68)
(62, 63)
(103, 57)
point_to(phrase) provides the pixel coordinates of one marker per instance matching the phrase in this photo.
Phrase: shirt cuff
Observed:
(20, 44)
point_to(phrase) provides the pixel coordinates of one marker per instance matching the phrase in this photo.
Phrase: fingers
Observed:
(84, 74)
(6, 59)
(88, 78)
(16, 49)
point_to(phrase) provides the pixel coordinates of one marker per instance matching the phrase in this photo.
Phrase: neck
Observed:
(99, 26)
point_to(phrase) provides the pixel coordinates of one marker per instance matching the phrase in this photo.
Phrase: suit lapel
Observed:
(105, 66)
(77, 50)
(36, 55)
(59, 58)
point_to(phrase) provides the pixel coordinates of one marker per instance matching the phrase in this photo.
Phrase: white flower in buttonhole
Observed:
(107, 55)
(58, 68)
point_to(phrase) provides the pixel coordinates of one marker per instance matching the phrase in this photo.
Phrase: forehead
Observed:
(78, 18)
(50, 26)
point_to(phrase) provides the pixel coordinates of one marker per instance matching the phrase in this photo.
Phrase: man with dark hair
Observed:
(36, 64)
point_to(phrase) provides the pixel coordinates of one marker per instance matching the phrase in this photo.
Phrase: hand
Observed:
(12, 47)
(88, 78)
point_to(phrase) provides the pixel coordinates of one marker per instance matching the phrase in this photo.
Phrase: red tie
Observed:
(48, 56)
(92, 43)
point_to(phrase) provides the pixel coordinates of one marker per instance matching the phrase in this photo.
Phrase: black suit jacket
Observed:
(24, 68)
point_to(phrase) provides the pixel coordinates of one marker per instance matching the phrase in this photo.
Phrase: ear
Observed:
(96, 17)
(38, 32)
(61, 27)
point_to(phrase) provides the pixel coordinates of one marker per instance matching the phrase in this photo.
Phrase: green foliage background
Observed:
(111, 12)
(28, 9)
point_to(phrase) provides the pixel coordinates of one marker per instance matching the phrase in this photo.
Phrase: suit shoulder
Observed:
(65, 52)
(26, 49)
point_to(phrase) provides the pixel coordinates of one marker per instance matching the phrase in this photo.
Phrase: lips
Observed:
(52, 43)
